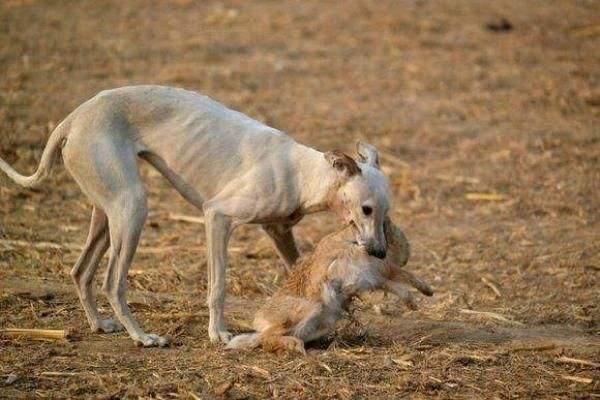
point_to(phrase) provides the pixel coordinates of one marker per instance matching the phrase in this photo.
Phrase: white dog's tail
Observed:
(245, 341)
(49, 156)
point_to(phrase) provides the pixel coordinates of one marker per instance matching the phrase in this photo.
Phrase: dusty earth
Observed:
(487, 115)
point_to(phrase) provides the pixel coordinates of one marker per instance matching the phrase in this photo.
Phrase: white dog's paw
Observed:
(151, 340)
(220, 336)
(109, 326)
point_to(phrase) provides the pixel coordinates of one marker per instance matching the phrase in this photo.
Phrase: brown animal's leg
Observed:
(315, 324)
(283, 238)
(289, 343)
(402, 292)
(401, 275)
(84, 270)
(274, 340)
(318, 334)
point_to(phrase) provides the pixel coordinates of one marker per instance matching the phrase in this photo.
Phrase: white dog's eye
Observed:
(367, 210)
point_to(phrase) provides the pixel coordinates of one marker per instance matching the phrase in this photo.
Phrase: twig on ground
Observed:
(255, 370)
(485, 197)
(491, 285)
(186, 218)
(40, 245)
(591, 30)
(194, 396)
(59, 373)
(404, 361)
(569, 360)
(180, 315)
(531, 347)
(492, 315)
(36, 333)
(579, 379)
(77, 247)
(473, 357)
(224, 388)
(458, 179)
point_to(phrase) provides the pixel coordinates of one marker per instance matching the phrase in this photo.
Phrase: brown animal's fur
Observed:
(306, 278)
(321, 286)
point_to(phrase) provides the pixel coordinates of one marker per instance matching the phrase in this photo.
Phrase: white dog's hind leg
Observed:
(84, 270)
(126, 220)
(101, 156)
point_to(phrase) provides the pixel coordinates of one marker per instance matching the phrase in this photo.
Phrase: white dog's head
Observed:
(362, 197)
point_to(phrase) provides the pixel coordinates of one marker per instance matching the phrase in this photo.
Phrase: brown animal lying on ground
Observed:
(312, 300)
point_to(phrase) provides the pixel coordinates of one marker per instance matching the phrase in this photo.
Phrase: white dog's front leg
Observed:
(218, 231)
(283, 238)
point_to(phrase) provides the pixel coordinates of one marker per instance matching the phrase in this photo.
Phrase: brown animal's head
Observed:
(362, 197)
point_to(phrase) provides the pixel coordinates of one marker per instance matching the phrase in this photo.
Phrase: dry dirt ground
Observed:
(490, 135)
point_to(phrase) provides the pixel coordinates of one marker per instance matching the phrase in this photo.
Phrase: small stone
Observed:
(12, 378)
(388, 362)
(501, 25)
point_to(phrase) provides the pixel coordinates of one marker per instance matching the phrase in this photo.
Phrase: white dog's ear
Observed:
(342, 163)
(367, 153)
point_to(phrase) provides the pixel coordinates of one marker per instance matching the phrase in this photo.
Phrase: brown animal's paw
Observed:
(293, 344)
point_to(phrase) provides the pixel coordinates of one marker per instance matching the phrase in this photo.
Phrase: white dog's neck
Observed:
(316, 179)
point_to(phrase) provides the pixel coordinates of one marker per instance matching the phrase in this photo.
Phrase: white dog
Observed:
(236, 169)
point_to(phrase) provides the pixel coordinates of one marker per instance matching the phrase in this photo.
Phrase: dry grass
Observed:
(491, 140)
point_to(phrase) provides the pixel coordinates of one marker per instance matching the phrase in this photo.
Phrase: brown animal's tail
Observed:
(49, 156)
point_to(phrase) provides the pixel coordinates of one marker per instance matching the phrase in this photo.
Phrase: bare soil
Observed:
(490, 133)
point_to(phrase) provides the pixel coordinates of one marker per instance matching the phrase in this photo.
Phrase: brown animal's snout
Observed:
(376, 251)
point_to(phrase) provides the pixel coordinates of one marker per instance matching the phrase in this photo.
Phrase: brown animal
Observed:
(312, 300)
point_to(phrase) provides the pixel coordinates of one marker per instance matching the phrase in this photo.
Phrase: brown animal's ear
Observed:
(342, 162)
(390, 229)
(367, 153)
(397, 243)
